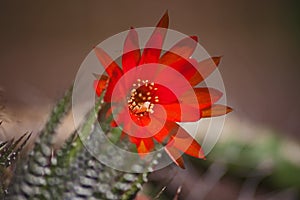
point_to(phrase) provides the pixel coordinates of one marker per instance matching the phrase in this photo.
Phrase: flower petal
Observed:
(187, 67)
(186, 143)
(205, 67)
(164, 134)
(131, 52)
(164, 21)
(178, 138)
(144, 146)
(180, 51)
(100, 84)
(205, 96)
(141, 121)
(215, 110)
(164, 94)
(153, 47)
(182, 113)
(111, 68)
(175, 155)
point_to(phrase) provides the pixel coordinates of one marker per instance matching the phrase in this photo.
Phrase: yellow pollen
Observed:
(139, 101)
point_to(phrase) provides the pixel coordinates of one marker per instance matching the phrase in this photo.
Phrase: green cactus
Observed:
(70, 172)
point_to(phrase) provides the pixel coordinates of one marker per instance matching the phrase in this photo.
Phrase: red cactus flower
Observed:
(150, 92)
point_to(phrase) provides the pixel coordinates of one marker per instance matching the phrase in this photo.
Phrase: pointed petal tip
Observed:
(166, 13)
(215, 111)
(229, 109)
(179, 162)
(217, 60)
(164, 21)
(182, 166)
(194, 37)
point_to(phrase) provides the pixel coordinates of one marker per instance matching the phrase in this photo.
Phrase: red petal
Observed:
(111, 68)
(187, 67)
(164, 134)
(205, 67)
(141, 121)
(131, 52)
(178, 57)
(180, 51)
(164, 21)
(109, 90)
(175, 155)
(185, 143)
(215, 110)
(133, 140)
(205, 96)
(153, 47)
(100, 84)
(182, 113)
(164, 94)
(113, 124)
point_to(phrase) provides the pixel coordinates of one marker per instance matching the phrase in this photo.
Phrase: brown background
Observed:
(44, 42)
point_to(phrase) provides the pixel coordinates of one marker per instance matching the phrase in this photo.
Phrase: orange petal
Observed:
(100, 84)
(131, 52)
(186, 143)
(145, 146)
(215, 110)
(205, 67)
(154, 45)
(175, 155)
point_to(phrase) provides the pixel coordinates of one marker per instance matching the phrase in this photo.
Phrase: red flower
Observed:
(150, 92)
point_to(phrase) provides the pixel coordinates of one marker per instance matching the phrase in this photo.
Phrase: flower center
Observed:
(142, 99)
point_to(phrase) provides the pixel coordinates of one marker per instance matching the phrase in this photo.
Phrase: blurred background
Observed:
(258, 157)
